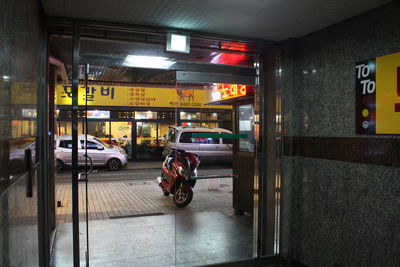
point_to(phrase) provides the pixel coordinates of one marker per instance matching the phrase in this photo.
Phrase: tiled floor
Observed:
(204, 232)
(167, 240)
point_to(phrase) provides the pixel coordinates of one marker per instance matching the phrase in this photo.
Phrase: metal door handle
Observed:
(90, 169)
(29, 168)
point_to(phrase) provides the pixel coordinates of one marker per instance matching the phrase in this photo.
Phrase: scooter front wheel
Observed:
(165, 192)
(183, 196)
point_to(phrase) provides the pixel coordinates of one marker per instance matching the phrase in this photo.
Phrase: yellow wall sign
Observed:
(126, 96)
(388, 94)
(378, 95)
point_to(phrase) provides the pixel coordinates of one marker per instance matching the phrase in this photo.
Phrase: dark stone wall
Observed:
(340, 203)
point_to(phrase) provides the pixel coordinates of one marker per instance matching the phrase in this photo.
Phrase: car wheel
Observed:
(114, 164)
(59, 166)
(183, 196)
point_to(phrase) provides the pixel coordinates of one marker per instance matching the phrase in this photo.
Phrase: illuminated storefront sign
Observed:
(98, 114)
(378, 95)
(125, 96)
(226, 91)
(29, 113)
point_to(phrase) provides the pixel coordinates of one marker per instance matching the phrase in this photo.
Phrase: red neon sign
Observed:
(231, 90)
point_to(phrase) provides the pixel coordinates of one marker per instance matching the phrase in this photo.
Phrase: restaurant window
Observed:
(166, 115)
(246, 126)
(209, 116)
(189, 115)
(65, 127)
(100, 129)
(163, 129)
(23, 128)
(189, 124)
(121, 132)
(210, 124)
(145, 115)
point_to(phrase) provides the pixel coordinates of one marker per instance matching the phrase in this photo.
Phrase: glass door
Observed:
(146, 140)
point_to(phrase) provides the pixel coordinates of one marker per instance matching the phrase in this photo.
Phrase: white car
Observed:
(102, 154)
(208, 149)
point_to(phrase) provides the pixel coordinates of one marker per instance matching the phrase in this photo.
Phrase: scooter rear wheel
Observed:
(183, 196)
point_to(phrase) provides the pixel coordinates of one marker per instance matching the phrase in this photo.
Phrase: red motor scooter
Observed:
(178, 177)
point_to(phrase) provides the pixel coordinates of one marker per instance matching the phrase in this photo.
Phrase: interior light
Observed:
(147, 62)
(178, 43)
(6, 78)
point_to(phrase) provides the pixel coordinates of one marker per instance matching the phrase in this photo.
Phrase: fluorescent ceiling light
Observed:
(178, 43)
(147, 62)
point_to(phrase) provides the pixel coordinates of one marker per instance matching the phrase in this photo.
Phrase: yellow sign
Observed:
(24, 93)
(100, 95)
(388, 94)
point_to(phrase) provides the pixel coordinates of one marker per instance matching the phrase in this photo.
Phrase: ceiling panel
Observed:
(273, 20)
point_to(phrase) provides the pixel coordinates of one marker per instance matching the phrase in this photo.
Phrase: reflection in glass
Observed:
(189, 115)
(186, 123)
(146, 140)
(100, 130)
(246, 126)
(145, 115)
(210, 124)
(163, 129)
(65, 127)
(209, 116)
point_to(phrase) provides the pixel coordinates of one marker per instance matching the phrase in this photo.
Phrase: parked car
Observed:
(208, 149)
(17, 162)
(103, 154)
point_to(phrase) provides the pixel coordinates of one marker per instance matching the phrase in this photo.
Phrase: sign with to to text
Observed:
(378, 95)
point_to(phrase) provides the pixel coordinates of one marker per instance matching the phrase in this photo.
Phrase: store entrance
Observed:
(150, 137)
(146, 140)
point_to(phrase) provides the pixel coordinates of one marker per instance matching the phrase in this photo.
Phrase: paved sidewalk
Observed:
(156, 164)
(124, 198)
(140, 165)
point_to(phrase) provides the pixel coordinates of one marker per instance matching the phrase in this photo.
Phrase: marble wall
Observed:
(337, 212)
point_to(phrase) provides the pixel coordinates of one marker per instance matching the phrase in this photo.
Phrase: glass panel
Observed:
(146, 140)
(187, 137)
(63, 245)
(145, 115)
(208, 230)
(209, 116)
(210, 124)
(98, 114)
(166, 115)
(65, 127)
(189, 115)
(100, 130)
(246, 126)
(186, 123)
(163, 129)
(122, 132)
